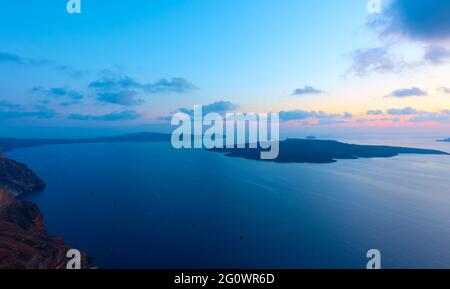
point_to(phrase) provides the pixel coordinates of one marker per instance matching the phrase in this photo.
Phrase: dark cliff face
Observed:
(17, 178)
(24, 242)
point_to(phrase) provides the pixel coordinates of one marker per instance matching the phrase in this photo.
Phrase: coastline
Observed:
(24, 242)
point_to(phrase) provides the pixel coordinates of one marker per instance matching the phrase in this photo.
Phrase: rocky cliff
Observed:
(17, 178)
(24, 242)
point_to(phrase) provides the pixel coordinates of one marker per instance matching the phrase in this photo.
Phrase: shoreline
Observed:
(25, 242)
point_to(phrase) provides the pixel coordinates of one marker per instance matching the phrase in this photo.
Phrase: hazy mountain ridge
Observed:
(7, 144)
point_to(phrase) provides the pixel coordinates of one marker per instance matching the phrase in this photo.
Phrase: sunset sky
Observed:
(132, 63)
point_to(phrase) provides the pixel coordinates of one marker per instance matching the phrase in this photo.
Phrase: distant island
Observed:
(444, 140)
(325, 151)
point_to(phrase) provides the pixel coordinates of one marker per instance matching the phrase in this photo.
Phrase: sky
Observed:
(129, 65)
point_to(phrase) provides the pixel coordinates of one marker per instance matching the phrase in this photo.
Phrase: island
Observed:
(24, 242)
(324, 151)
(444, 140)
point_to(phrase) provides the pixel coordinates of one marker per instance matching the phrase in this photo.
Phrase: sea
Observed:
(147, 205)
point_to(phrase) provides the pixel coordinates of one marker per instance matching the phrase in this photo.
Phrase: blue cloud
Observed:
(175, 85)
(374, 112)
(59, 92)
(296, 115)
(413, 115)
(408, 92)
(322, 117)
(114, 116)
(442, 117)
(9, 110)
(115, 83)
(124, 97)
(375, 59)
(125, 90)
(306, 90)
(76, 73)
(412, 20)
(70, 103)
(122, 91)
(444, 89)
(437, 55)
(6, 57)
(332, 121)
(426, 20)
(4, 104)
(220, 107)
(402, 111)
(43, 114)
(12, 58)
(347, 115)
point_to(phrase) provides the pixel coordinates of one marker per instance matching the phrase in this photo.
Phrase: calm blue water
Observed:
(149, 206)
